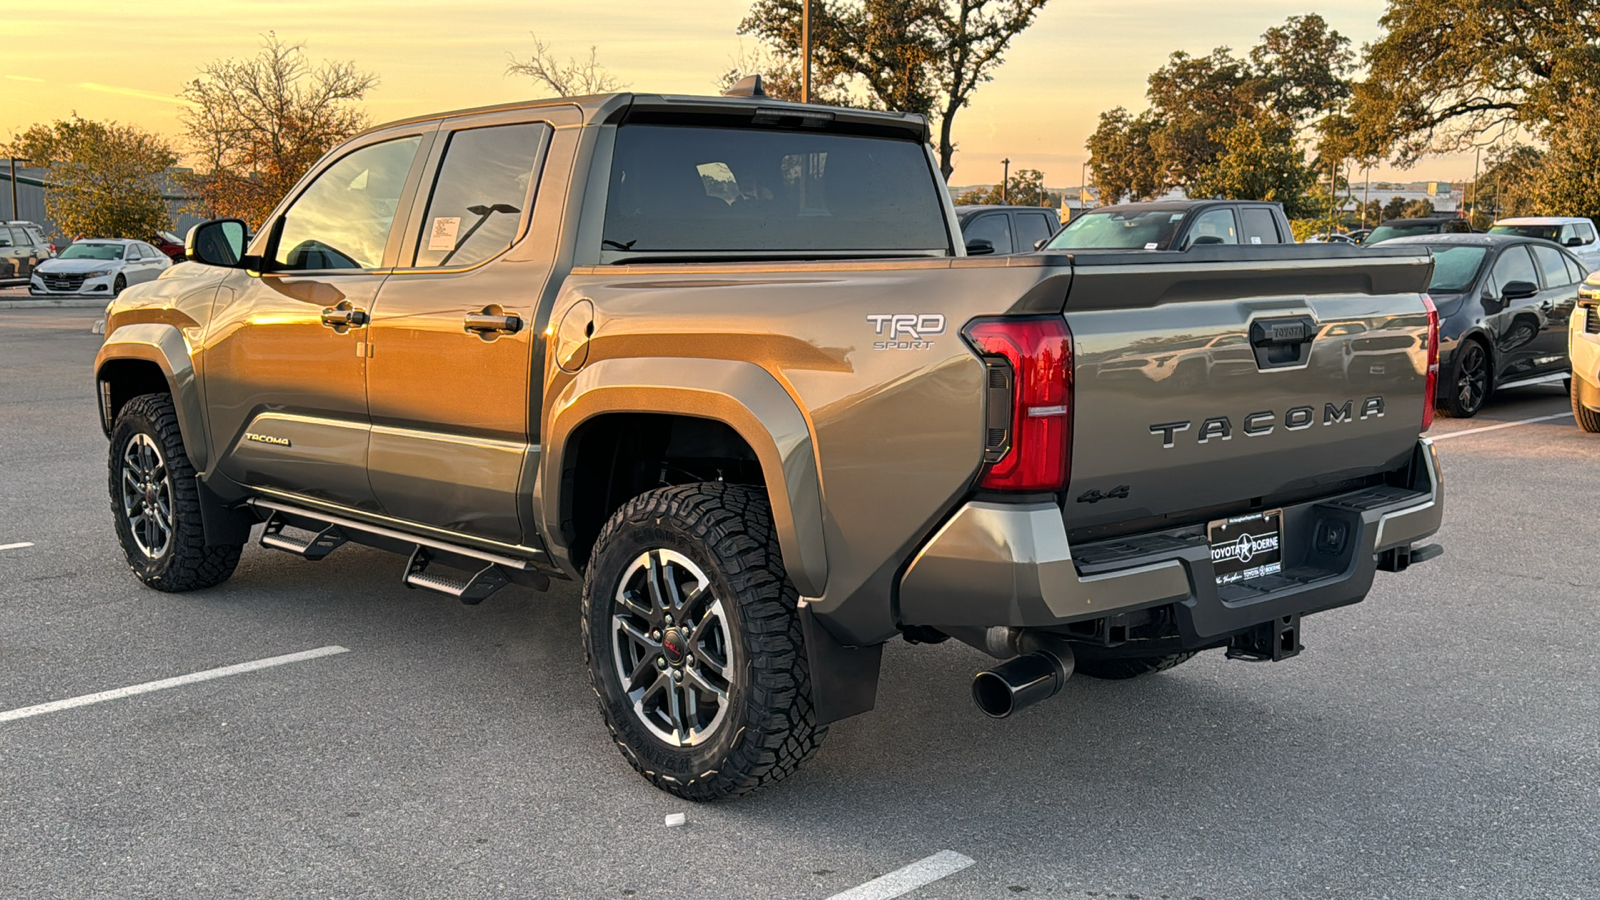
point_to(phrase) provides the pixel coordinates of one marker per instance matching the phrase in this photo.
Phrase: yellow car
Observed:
(1583, 346)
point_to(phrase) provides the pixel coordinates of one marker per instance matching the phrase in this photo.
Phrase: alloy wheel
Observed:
(147, 496)
(670, 644)
(1472, 377)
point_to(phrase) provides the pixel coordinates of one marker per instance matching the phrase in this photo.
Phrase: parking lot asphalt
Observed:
(1439, 740)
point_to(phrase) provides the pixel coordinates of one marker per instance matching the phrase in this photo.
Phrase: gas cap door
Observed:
(572, 336)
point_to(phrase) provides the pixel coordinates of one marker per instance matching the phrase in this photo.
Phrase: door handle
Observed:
(486, 323)
(344, 318)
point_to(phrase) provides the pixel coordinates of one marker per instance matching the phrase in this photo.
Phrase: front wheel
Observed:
(1469, 382)
(693, 642)
(118, 285)
(1588, 419)
(155, 502)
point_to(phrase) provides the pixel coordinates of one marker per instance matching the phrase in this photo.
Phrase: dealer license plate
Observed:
(1247, 547)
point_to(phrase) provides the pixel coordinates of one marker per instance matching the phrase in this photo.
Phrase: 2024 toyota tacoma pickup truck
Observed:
(724, 361)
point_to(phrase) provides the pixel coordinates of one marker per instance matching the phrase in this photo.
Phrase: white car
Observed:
(1583, 346)
(1577, 235)
(98, 267)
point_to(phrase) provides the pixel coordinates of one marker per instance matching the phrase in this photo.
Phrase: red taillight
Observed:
(1433, 362)
(1038, 352)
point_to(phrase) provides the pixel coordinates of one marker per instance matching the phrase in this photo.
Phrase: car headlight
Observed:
(97, 273)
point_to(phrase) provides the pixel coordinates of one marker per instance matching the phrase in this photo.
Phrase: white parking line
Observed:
(163, 684)
(17, 546)
(908, 879)
(1456, 434)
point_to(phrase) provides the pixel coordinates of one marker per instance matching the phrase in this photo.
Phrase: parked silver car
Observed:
(98, 267)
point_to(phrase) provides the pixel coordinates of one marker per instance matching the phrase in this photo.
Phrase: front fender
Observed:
(165, 346)
(741, 395)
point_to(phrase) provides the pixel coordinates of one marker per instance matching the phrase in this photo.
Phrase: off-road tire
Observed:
(188, 563)
(1588, 419)
(768, 729)
(1123, 667)
(1452, 404)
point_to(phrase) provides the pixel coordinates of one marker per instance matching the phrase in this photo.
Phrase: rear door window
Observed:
(1515, 265)
(991, 227)
(1032, 228)
(689, 191)
(1260, 225)
(1553, 265)
(1586, 231)
(1215, 226)
(482, 191)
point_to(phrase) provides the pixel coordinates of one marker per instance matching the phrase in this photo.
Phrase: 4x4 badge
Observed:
(1120, 492)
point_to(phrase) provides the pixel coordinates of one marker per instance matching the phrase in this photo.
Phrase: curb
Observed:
(55, 303)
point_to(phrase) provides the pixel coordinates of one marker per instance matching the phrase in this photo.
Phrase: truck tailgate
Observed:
(1226, 378)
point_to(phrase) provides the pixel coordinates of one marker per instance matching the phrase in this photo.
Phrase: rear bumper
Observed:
(1011, 564)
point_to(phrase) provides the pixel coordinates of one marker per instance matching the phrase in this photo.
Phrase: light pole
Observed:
(1473, 214)
(13, 174)
(1005, 182)
(805, 51)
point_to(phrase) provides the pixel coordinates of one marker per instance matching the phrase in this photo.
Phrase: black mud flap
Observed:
(844, 680)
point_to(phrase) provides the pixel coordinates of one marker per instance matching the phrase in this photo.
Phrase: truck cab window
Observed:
(481, 194)
(991, 227)
(1215, 226)
(1259, 226)
(342, 220)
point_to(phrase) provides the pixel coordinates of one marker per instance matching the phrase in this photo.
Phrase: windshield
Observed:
(1385, 232)
(92, 251)
(1455, 268)
(1546, 232)
(1142, 229)
(702, 191)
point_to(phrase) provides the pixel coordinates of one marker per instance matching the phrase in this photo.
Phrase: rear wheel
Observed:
(1588, 419)
(1117, 668)
(1469, 382)
(693, 642)
(155, 502)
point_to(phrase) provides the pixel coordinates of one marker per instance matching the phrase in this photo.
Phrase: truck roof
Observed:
(612, 109)
(1178, 205)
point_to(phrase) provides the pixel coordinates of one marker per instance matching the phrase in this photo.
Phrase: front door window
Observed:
(342, 220)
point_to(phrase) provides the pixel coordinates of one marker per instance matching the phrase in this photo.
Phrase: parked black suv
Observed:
(1398, 228)
(1175, 225)
(1008, 229)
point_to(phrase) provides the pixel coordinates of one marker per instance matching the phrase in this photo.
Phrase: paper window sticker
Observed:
(443, 234)
(1151, 246)
(1176, 217)
(1255, 239)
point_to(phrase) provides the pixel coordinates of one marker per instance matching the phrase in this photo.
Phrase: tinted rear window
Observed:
(692, 190)
(1545, 232)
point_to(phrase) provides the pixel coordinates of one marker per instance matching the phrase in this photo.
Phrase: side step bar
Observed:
(490, 571)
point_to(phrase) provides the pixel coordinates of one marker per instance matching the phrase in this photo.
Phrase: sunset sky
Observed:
(127, 60)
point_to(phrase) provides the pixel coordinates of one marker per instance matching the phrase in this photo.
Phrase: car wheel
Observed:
(1588, 419)
(693, 642)
(1118, 668)
(1469, 382)
(118, 285)
(155, 501)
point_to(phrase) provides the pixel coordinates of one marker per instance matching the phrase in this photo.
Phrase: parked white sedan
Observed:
(98, 267)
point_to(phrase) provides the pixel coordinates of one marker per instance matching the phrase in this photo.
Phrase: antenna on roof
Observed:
(748, 86)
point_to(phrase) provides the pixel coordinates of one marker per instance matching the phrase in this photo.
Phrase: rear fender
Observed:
(165, 346)
(741, 395)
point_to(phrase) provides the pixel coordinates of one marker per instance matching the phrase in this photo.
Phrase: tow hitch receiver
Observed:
(1271, 641)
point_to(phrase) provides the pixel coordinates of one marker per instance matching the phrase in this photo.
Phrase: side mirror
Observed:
(1518, 290)
(219, 242)
(1205, 239)
(1574, 241)
(1039, 244)
(980, 247)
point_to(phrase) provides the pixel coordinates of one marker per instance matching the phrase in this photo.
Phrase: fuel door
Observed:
(572, 336)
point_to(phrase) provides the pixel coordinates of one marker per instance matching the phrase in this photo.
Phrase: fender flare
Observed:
(741, 395)
(165, 346)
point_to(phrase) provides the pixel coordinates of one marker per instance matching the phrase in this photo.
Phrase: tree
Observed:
(1568, 180)
(573, 78)
(1395, 208)
(105, 178)
(1509, 184)
(1417, 209)
(921, 56)
(1260, 160)
(259, 124)
(1449, 73)
(1121, 159)
(1202, 108)
(1025, 187)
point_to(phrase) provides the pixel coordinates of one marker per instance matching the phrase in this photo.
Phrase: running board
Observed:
(490, 571)
(472, 591)
(318, 547)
